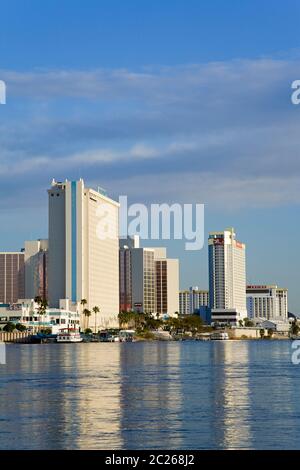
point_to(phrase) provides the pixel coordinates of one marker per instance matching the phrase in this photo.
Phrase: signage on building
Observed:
(218, 241)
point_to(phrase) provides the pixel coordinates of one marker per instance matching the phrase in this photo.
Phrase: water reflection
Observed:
(231, 394)
(150, 395)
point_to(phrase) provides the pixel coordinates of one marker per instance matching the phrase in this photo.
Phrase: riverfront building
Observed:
(25, 311)
(149, 281)
(12, 277)
(227, 277)
(36, 269)
(191, 300)
(84, 250)
(167, 286)
(267, 302)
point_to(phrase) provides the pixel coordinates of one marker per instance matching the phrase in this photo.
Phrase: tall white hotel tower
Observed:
(83, 264)
(227, 277)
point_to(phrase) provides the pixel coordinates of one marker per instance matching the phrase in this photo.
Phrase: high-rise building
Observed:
(84, 250)
(143, 280)
(167, 286)
(191, 300)
(149, 281)
(227, 277)
(267, 302)
(36, 269)
(125, 276)
(12, 277)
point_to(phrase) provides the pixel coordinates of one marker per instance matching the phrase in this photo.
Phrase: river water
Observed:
(155, 395)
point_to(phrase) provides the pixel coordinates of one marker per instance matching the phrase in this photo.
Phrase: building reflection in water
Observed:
(151, 396)
(230, 395)
(159, 395)
(61, 397)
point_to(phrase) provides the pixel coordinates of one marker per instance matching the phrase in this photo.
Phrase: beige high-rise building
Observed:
(167, 284)
(149, 281)
(84, 250)
(36, 267)
(227, 277)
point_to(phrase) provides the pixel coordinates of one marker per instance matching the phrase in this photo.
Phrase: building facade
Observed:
(227, 277)
(143, 280)
(267, 302)
(191, 300)
(36, 269)
(25, 311)
(149, 281)
(167, 286)
(125, 272)
(12, 277)
(84, 250)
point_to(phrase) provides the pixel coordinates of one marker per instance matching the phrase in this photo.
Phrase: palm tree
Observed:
(83, 302)
(42, 305)
(87, 314)
(96, 310)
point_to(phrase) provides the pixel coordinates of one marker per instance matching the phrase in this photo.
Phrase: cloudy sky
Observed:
(174, 101)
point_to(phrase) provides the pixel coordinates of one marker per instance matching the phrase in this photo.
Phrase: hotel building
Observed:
(191, 300)
(149, 281)
(167, 285)
(12, 277)
(227, 277)
(84, 250)
(267, 302)
(36, 269)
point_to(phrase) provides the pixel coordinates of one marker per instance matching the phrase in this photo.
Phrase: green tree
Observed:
(241, 323)
(262, 333)
(9, 327)
(248, 322)
(192, 323)
(270, 332)
(88, 331)
(87, 313)
(20, 327)
(46, 331)
(294, 328)
(96, 310)
(42, 306)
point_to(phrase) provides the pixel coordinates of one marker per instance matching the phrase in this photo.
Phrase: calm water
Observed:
(200, 395)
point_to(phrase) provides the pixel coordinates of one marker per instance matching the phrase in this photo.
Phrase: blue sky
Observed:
(170, 101)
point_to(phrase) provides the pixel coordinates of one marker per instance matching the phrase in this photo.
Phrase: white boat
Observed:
(220, 335)
(68, 335)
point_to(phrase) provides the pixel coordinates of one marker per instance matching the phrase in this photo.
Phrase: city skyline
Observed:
(149, 110)
(71, 247)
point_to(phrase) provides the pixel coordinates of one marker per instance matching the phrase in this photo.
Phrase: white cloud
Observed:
(227, 125)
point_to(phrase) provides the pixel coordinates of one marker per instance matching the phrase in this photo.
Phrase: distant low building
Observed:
(267, 302)
(225, 316)
(25, 311)
(192, 299)
(279, 326)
